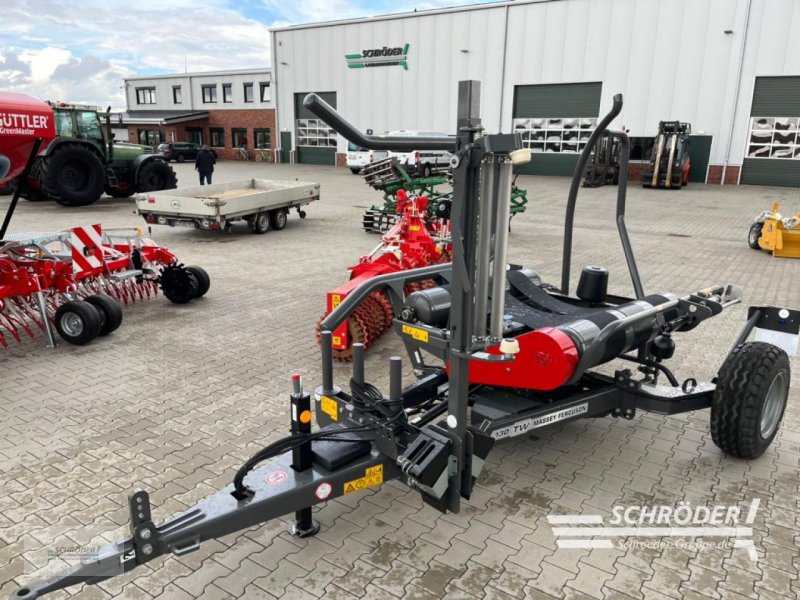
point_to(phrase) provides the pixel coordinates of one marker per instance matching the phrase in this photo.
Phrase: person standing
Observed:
(204, 164)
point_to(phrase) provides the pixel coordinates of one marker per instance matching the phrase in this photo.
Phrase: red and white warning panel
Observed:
(87, 248)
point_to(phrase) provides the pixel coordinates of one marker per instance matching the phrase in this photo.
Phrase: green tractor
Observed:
(81, 162)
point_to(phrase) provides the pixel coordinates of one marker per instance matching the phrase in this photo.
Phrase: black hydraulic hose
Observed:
(327, 113)
(566, 259)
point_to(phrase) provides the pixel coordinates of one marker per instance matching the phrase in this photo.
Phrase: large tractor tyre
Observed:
(203, 280)
(72, 175)
(156, 175)
(178, 284)
(78, 322)
(32, 189)
(110, 312)
(125, 192)
(754, 235)
(750, 398)
(278, 219)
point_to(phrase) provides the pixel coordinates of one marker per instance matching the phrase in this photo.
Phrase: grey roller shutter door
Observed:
(773, 97)
(552, 101)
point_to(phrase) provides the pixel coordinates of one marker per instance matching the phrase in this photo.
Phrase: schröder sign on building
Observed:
(379, 57)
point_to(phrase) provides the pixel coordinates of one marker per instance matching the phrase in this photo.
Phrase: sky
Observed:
(51, 50)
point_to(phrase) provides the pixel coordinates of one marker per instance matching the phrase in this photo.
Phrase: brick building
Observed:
(224, 109)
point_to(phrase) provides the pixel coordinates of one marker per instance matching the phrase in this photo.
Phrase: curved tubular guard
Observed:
(327, 113)
(576, 182)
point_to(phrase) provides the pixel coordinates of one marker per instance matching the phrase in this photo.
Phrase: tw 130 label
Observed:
(535, 422)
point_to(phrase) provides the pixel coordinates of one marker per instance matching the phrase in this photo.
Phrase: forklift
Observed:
(669, 160)
(496, 354)
(603, 168)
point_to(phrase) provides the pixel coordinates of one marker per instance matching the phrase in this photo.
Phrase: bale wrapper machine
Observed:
(517, 355)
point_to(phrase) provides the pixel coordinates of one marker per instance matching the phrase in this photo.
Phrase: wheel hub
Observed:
(72, 324)
(773, 405)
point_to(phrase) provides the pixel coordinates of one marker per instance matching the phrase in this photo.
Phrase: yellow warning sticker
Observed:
(418, 334)
(330, 407)
(414, 227)
(372, 477)
(336, 300)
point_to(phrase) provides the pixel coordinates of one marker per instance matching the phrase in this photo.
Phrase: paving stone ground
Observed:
(179, 396)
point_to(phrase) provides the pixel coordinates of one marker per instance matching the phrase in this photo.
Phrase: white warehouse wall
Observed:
(671, 59)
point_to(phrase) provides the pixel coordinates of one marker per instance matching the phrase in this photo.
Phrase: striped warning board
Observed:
(87, 248)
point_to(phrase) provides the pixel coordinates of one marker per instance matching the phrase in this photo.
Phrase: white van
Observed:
(422, 162)
(358, 158)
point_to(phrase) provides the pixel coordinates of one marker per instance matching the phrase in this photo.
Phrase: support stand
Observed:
(304, 524)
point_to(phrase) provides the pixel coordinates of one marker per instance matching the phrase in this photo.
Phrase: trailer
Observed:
(262, 203)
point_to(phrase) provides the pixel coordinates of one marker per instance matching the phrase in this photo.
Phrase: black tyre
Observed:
(110, 312)
(754, 235)
(180, 158)
(260, 223)
(203, 280)
(125, 192)
(750, 398)
(78, 322)
(178, 284)
(72, 175)
(426, 171)
(156, 175)
(278, 219)
(355, 171)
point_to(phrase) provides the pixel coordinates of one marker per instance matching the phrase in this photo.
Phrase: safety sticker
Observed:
(373, 477)
(336, 300)
(323, 490)
(330, 407)
(276, 477)
(127, 555)
(418, 334)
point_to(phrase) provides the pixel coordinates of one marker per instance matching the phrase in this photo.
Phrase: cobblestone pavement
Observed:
(179, 396)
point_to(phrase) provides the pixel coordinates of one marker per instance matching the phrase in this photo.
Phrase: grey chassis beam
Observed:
(218, 515)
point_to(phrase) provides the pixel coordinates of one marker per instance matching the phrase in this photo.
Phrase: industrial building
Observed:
(224, 109)
(549, 68)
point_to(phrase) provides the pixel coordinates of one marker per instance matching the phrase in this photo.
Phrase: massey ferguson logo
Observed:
(21, 124)
(379, 57)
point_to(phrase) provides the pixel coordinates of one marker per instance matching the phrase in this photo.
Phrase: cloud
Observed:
(57, 49)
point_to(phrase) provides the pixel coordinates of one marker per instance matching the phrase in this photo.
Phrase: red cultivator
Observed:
(421, 237)
(75, 280)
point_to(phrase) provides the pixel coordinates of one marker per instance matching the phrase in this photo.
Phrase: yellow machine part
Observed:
(780, 241)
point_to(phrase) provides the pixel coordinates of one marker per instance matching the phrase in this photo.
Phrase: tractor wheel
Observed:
(260, 223)
(110, 312)
(72, 175)
(754, 235)
(178, 284)
(156, 175)
(126, 192)
(78, 322)
(203, 280)
(750, 398)
(278, 219)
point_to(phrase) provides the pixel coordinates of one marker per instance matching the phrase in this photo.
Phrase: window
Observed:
(773, 137)
(314, 132)
(248, 92)
(146, 95)
(263, 138)
(176, 94)
(194, 135)
(64, 123)
(150, 137)
(89, 126)
(239, 137)
(217, 137)
(264, 91)
(564, 136)
(209, 94)
(227, 92)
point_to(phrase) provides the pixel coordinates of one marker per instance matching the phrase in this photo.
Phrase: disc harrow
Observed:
(420, 237)
(53, 281)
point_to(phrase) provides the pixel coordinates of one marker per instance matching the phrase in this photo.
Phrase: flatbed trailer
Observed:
(262, 203)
